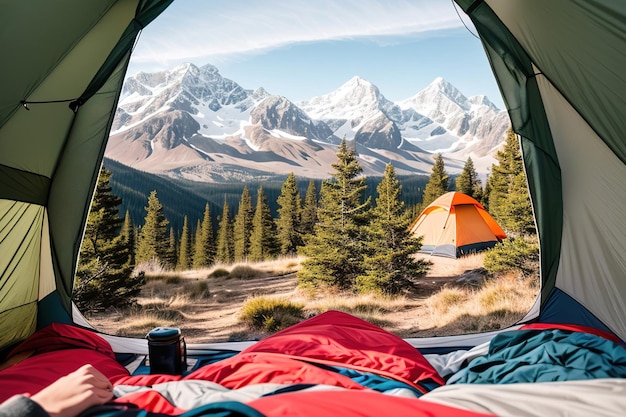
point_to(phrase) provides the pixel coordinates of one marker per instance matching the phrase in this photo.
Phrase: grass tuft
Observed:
(219, 273)
(197, 290)
(243, 272)
(271, 314)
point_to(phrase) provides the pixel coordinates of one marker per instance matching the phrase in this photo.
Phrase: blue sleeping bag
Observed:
(542, 356)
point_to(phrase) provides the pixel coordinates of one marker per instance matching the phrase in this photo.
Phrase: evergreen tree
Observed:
(224, 250)
(184, 248)
(128, 235)
(413, 211)
(335, 252)
(172, 249)
(509, 202)
(153, 243)
(309, 210)
(263, 238)
(194, 242)
(437, 184)
(390, 266)
(204, 253)
(288, 222)
(242, 228)
(104, 273)
(484, 198)
(468, 182)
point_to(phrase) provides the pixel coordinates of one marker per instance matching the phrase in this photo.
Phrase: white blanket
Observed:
(597, 397)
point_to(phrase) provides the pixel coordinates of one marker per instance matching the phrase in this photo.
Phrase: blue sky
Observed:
(301, 49)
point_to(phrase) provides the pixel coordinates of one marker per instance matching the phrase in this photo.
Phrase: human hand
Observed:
(72, 394)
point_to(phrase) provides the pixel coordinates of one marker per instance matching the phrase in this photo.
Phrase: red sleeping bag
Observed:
(53, 352)
(336, 338)
(289, 357)
(353, 404)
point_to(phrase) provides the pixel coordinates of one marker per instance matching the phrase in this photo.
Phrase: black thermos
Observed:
(167, 351)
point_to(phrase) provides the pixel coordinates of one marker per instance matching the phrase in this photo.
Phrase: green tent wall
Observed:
(63, 68)
(559, 65)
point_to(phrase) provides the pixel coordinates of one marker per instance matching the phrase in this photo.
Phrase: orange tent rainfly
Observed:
(456, 224)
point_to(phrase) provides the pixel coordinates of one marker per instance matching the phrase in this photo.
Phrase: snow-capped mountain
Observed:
(191, 122)
(473, 126)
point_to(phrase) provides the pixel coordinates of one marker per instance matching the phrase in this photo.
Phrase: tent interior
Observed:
(558, 65)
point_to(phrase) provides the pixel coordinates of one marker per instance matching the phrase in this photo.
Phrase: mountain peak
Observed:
(352, 100)
(441, 86)
(359, 84)
(357, 80)
(182, 68)
(187, 107)
(439, 81)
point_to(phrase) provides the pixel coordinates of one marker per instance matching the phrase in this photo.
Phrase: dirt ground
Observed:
(215, 319)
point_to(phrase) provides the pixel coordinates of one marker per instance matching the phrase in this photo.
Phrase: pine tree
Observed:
(468, 182)
(509, 202)
(288, 223)
(484, 198)
(224, 250)
(242, 228)
(184, 248)
(335, 252)
(309, 210)
(104, 273)
(437, 184)
(172, 249)
(128, 235)
(389, 264)
(153, 243)
(204, 253)
(263, 238)
(194, 242)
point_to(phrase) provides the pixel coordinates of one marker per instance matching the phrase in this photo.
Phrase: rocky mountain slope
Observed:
(192, 123)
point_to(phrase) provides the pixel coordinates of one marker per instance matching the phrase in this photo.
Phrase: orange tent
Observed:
(456, 224)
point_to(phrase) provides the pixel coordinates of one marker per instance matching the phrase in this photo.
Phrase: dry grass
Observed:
(207, 306)
(499, 300)
(142, 323)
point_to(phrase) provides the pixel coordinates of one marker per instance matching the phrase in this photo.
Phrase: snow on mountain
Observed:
(194, 123)
(357, 101)
(465, 126)
(216, 103)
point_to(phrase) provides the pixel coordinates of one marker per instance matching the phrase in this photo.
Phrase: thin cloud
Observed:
(190, 29)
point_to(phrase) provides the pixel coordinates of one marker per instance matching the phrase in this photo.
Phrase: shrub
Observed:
(243, 272)
(446, 299)
(197, 289)
(521, 254)
(271, 314)
(218, 273)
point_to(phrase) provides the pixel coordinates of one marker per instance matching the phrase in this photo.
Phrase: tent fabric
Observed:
(558, 64)
(455, 224)
(60, 53)
(557, 67)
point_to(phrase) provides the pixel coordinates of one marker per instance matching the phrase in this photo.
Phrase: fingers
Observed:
(98, 386)
(93, 376)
